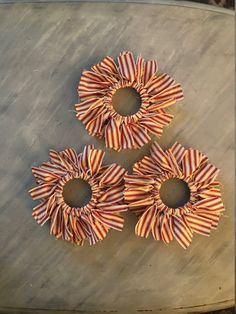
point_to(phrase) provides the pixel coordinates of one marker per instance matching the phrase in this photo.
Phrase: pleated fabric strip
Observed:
(142, 194)
(97, 86)
(103, 212)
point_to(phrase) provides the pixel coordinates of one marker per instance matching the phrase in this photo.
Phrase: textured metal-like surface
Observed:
(43, 49)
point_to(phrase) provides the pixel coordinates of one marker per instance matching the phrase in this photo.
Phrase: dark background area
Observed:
(230, 4)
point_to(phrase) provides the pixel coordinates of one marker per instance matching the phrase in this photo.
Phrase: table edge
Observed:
(190, 309)
(179, 3)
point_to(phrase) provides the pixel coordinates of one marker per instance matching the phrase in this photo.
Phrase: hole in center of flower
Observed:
(77, 193)
(126, 101)
(175, 193)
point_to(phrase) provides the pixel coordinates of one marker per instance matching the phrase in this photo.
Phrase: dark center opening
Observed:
(126, 101)
(174, 193)
(77, 193)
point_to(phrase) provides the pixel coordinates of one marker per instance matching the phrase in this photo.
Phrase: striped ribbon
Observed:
(142, 194)
(98, 85)
(103, 211)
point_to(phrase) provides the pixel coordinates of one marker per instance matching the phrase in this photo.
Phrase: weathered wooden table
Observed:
(43, 49)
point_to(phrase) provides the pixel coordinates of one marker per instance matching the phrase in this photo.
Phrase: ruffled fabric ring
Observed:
(102, 212)
(142, 193)
(97, 87)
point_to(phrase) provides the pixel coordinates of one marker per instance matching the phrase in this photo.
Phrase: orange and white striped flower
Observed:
(102, 212)
(142, 194)
(97, 87)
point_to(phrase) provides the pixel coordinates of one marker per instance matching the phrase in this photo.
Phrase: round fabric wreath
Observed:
(103, 210)
(142, 193)
(97, 87)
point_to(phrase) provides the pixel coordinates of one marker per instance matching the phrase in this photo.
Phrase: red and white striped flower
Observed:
(92, 221)
(142, 193)
(97, 87)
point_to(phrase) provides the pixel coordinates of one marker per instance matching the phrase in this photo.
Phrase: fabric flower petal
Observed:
(181, 232)
(172, 92)
(159, 84)
(98, 86)
(211, 203)
(159, 156)
(42, 191)
(140, 68)
(113, 135)
(191, 161)
(150, 69)
(178, 151)
(109, 64)
(144, 225)
(199, 224)
(207, 173)
(165, 229)
(112, 175)
(40, 214)
(127, 65)
(111, 220)
(95, 161)
(101, 213)
(146, 166)
(200, 213)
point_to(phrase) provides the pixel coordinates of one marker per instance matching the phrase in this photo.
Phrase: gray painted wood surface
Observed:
(43, 49)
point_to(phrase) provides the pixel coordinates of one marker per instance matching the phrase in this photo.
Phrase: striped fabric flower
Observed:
(102, 212)
(142, 194)
(97, 87)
